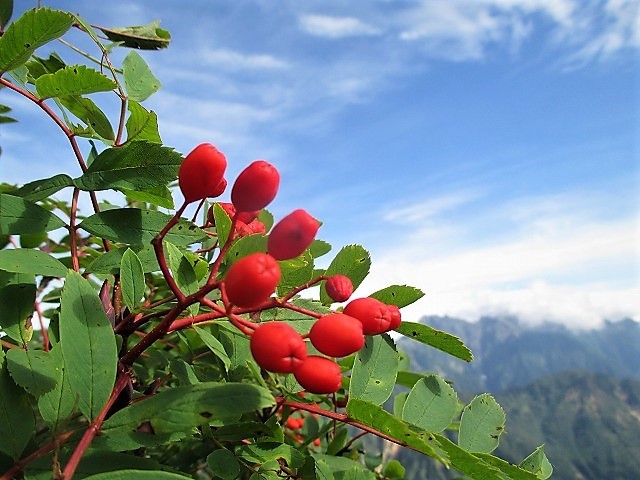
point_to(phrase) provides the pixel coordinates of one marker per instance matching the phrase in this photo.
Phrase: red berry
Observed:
(317, 442)
(294, 423)
(374, 315)
(255, 187)
(277, 347)
(319, 375)
(292, 235)
(339, 288)
(252, 280)
(252, 228)
(337, 335)
(201, 173)
(396, 317)
(248, 217)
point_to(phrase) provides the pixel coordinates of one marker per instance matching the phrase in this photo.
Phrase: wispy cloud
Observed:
(234, 60)
(336, 27)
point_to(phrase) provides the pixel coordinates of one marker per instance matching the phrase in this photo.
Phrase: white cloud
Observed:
(336, 27)
(233, 60)
(566, 263)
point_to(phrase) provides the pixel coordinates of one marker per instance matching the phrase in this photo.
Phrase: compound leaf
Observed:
(87, 111)
(73, 80)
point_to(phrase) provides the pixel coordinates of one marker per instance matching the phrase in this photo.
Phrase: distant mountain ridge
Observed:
(509, 353)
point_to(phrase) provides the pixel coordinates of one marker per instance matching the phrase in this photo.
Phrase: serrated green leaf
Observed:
(185, 407)
(131, 279)
(135, 166)
(138, 227)
(352, 261)
(73, 80)
(39, 66)
(41, 189)
(160, 196)
(538, 464)
(319, 248)
(144, 37)
(374, 371)
(375, 416)
(26, 260)
(88, 345)
(394, 469)
(87, 111)
(17, 296)
(223, 464)
(183, 273)
(295, 272)
(399, 295)
(137, 474)
(513, 472)
(223, 224)
(214, 345)
(57, 405)
(436, 338)
(142, 124)
(481, 425)
(18, 216)
(32, 370)
(139, 82)
(467, 463)
(32, 30)
(263, 452)
(245, 246)
(432, 404)
(17, 421)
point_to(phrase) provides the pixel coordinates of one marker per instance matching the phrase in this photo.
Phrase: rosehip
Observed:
(255, 187)
(227, 207)
(337, 335)
(252, 280)
(277, 347)
(252, 228)
(201, 173)
(339, 288)
(294, 423)
(373, 314)
(292, 235)
(319, 375)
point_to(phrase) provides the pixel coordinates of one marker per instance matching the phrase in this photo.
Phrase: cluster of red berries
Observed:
(253, 279)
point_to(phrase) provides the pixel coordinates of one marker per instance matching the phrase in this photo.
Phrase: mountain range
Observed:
(576, 391)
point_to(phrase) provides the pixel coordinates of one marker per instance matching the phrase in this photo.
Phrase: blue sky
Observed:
(485, 151)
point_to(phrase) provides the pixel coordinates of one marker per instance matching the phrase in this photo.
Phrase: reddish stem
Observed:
(73, 234)
(94, 428)
(43, 329)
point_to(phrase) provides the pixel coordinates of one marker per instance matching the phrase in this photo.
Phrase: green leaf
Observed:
(17, 421)
(319, 248)
(185, 407)
(73, 80)
(58, 404)
(394, 469)
(467, 463)
(399, 295)
(32, 370)
(137, 474)
(41, 189)
(144, 37)
(214, 345)
(109, 263)
(32, 30)
(18, 216)
(6, 10)
(134, 166)
(25, 260)
(87, 111)
(376, 417)
(139, 82)
(245, 246)
(295, 272)
(160, 196)
(142, 124)
(352, 261)
(374, 371)
(17, 296)
(436, 338)
(183, 273)
(223, 224)
(263, 452)
(223, 464)
(131, 279)
(138, 227)
(432, 404)
(538, 464)
(512, 471)
(88, 345)
(481, 424)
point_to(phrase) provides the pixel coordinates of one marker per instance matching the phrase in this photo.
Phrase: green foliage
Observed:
(140, 366)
